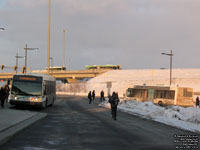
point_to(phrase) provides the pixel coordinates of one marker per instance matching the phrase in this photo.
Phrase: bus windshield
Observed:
(27, 88)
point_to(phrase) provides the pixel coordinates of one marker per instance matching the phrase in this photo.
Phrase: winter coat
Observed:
(89, 95)
(114, 101)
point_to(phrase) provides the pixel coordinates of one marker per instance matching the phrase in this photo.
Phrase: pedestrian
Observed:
(93, 94)
(7, 91)
(90, 97)
(197, 102)
(114, 100)
(102, 96)
(2, 96)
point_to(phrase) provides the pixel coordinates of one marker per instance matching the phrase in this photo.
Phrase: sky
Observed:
(131, 33)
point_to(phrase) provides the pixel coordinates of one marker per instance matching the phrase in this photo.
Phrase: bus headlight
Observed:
(38, 99)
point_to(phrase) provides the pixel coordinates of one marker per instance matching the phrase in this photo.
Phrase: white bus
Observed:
(33, 89)
(162, 95)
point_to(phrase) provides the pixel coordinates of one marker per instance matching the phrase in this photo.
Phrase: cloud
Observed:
(130, 32)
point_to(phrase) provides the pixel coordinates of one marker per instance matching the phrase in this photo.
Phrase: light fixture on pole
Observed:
(26, 49)
(17, 56)
(170, 54)
(2, 29)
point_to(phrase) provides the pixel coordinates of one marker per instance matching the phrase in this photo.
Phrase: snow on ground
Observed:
(180, 117)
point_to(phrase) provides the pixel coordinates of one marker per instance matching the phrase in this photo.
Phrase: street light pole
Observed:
(64, 39)
(48, 56)
(170, 54)
(26, 49)
(17, 56)
(171, 66)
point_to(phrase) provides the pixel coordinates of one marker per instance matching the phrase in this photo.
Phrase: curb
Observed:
(9, 132)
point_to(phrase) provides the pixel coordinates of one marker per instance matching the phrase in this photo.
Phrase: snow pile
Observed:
(184, 118)
(123, 79)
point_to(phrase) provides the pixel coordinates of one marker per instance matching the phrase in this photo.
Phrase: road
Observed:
(73, 124)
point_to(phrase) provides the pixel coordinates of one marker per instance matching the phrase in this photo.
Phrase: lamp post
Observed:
(17, 56)
(51, 61)
(64, 45)
(26, 49)
(48, 56)
(170, 54)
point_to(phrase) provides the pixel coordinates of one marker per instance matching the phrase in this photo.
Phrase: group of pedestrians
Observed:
(91, 96)
(113, 100)
(4, 93)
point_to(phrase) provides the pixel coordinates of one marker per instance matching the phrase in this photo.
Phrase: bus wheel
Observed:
(160, 103)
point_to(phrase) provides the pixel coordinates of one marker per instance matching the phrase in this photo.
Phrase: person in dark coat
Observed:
(7, 91)
(114, 100)
(197, 102)
(90, 97)
(93, 94)
(102, 96)
(2, 96)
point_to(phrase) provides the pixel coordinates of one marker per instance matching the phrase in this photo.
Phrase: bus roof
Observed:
(44, 76)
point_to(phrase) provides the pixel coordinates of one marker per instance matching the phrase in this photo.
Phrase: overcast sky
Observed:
(132, 33)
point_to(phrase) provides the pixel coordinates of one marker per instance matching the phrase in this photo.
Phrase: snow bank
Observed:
(184, 118)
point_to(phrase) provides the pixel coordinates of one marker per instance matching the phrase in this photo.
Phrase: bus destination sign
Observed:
(27, 78)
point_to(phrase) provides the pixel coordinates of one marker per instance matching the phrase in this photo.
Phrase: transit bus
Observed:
(104, 67)
(33, 89)
(162, 95)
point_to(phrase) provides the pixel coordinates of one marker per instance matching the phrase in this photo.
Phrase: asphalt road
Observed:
(73, 124)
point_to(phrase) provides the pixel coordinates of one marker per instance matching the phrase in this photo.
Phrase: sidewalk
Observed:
(13, 121)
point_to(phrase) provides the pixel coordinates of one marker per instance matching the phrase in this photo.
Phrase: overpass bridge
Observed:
(64, 75)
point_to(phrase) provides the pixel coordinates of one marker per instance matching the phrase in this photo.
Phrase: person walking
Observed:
(7, 91)
(114, 101)
(93, 94)
(197, 102)
(2, 96)
(102, 96)
(90, 97)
